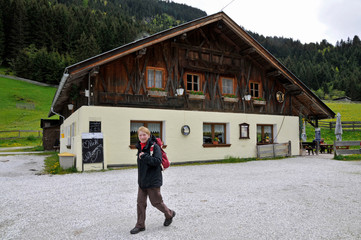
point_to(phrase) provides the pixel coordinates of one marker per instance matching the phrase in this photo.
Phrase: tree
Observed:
(19, 28)
(2, 40)
(86, 47)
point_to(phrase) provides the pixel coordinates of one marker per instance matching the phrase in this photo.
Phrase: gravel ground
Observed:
(310, 197)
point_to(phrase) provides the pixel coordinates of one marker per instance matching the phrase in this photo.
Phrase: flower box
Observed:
(196, 97)
(229, 99)
(157, 93)
(259, 102)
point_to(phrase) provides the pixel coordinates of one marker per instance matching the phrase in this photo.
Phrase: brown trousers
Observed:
(156, 200)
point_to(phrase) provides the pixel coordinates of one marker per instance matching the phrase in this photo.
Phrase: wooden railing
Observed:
(346, 126)
(6, 135)
(274, 150)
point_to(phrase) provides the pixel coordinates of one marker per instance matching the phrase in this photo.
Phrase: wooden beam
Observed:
(273, 73)
(206, 50)
(248, 51)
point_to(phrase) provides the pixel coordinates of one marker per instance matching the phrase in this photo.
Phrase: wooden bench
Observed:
(309, 146)
(326, 148)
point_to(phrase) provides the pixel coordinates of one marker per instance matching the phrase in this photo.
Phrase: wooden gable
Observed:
(212, 55)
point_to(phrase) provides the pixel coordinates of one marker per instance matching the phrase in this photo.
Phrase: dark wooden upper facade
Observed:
(212, 55)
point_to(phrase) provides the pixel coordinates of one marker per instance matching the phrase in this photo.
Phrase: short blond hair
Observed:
(143, 129)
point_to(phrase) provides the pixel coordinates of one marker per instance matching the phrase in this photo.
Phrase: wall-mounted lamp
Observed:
(186, 130)
(180, 91)
(70, 106)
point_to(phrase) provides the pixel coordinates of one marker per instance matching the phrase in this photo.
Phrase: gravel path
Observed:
(310, 197)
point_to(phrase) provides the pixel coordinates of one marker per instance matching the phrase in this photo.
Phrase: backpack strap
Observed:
(151, 149)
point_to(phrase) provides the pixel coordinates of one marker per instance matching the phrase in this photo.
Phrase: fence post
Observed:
(19, 133)
(289, 149)
(330, 125)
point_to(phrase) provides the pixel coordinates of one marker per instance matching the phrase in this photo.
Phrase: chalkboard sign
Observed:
(92, 148)
(95, 126)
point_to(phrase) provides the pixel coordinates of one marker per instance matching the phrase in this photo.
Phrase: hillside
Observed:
(331, 71)
(23, 104)
(39, 38)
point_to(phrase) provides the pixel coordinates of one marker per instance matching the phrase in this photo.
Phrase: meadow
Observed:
(22, 106)
(349, 112)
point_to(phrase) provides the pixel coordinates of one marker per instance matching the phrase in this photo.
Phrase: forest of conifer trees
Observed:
(39, 38)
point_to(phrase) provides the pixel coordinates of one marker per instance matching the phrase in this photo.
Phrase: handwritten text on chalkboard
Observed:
(92, 148)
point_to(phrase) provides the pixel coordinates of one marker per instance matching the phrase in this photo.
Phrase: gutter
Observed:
(57, 94)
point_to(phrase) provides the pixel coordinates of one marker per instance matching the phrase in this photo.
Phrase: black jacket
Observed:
(149, 167)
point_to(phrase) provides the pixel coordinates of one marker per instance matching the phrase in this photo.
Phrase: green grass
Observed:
(52, 165)
(349, 112)
(352, 157)
(22, 106)
(14, 96)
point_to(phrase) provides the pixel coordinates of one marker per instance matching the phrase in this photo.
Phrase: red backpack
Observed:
(165, 162)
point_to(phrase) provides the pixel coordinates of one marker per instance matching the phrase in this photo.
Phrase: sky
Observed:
(303, 20)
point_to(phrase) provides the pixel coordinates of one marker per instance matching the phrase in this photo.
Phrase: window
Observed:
(255, 89)
(155, 77)
(227, 86)
(264, 134)
(154, 127)
(193, 82)
(95, 126)
(214, 132)
(244, 131)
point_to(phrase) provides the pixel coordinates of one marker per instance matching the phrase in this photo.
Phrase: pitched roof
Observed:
(305, 100)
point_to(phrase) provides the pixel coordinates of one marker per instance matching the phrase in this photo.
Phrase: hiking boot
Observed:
(136, 230)
(168, 221)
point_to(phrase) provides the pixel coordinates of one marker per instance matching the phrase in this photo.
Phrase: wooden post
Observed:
(289, 149)
(317, 142)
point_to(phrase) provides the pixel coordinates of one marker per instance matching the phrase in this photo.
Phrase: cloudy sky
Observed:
(304, 20)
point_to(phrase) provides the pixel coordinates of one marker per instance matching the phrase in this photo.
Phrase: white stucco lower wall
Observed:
(115, 126)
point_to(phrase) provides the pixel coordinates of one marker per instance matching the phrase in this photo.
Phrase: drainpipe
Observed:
(52, 110)
(60, 88)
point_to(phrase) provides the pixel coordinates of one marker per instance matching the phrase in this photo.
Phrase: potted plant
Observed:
(259, 101)
(74, 95)
(196, 95)
(157, 92)
(230, 98)
(215, 140)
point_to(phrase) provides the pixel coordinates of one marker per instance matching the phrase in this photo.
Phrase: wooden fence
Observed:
(274, 150)
(343, 147)
(346, 126)
(6, 135)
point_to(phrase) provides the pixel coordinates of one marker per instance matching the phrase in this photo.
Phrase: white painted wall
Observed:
(115, 124)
